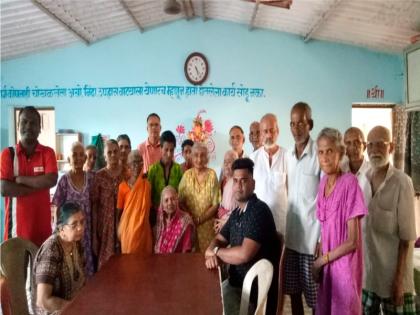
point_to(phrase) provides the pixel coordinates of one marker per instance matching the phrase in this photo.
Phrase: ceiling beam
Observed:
(192, 8)
(60, 21)
(132, 16)
(321, 20)
(185, 7)
(203, 10)
(254, 15)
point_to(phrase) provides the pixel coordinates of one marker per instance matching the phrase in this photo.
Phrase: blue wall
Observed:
(329, 76)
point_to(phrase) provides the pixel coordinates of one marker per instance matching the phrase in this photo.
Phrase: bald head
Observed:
(379, 146)
(254, 135)
(269, 131)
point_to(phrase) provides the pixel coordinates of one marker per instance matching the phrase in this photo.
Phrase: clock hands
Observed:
(196, 69)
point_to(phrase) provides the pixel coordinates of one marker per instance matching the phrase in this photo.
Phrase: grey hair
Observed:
(133, 153)
(165, 190)
(74, 145)
(333, 135)
(232, 153)
(200, 146)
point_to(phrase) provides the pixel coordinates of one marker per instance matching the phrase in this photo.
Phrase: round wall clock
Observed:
(196, 68)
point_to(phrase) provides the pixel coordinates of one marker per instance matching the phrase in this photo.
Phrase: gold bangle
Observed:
(326, 258)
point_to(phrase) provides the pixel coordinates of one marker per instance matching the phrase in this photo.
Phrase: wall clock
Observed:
(196, 68)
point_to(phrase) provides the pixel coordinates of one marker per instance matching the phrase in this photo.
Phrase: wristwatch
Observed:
(215, 250)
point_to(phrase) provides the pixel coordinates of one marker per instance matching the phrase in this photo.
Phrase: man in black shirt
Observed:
(251, 234)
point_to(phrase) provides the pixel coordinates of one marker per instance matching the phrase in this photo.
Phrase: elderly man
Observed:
(270, 171)
(302, 228)
(355, 162)
(27, 172)
(390, 233)
(250, 231)
(254, 135)
(150, 149)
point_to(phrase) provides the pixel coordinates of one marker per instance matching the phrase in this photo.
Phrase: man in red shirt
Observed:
(150, 149)
(27, 171)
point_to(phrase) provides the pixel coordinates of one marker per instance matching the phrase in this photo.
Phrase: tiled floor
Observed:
(288, 309)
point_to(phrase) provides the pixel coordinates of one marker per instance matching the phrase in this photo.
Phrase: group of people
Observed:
(337, 228)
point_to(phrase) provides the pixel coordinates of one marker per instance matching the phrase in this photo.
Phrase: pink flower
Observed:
(208, 126)
(180, 129)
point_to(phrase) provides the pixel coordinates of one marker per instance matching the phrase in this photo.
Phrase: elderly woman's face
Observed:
(227, 165)
(135, 165)
(169, 201)
(329, 156)
(112, 154)
(77, 157)
(90, 159)
(74, 228)
(125, 149)
(199, 158)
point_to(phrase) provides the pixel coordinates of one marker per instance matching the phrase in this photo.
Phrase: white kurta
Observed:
(270, 183)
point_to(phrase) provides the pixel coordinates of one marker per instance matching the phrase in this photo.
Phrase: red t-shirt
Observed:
(29, 216)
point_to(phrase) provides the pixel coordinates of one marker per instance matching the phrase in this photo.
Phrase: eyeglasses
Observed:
(75, 225)
(378, 144)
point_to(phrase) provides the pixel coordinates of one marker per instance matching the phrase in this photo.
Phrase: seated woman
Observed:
(228, 203)
(58, 271)
(134, 200)
(174, 228)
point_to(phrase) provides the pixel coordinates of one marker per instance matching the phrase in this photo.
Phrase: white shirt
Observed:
(270, 183)
(391, 219)
(361, 177)
(303, 176)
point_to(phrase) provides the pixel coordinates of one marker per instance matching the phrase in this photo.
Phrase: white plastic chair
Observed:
(263, 269)
(16, 254)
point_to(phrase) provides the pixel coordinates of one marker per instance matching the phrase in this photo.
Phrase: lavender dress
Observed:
(67, 192)
(341, 283)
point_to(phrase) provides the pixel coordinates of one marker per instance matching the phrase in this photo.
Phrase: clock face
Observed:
(196, 68)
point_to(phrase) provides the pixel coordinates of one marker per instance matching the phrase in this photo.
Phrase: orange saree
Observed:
(134, 229)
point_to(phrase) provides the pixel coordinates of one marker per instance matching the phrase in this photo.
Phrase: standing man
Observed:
(27, 172)
(302, 228)
(254, 135)
(251, 233)
(390, 233)
(270, 171)
(150, 149)
(355, 143)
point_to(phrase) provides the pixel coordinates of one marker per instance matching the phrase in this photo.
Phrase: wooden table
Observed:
(154, 285)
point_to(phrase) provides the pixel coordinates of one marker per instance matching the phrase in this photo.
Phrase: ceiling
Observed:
(33, 26)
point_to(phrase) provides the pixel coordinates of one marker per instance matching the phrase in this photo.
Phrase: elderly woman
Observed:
(174, 228)
(199, 195)
(134, 201)
(104, 200)
(58, 271)
(340, 207)
(124, 143)
(76, 185)
(228, 203)
(91, 154)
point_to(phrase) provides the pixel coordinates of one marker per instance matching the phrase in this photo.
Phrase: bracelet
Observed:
(326, 258)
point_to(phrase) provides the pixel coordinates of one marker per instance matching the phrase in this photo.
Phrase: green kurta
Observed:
(156, 177)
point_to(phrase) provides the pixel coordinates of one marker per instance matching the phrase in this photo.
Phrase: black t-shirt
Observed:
(257, 224)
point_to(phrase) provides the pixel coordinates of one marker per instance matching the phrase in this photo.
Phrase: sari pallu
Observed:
(134, 229)
(177, 236)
